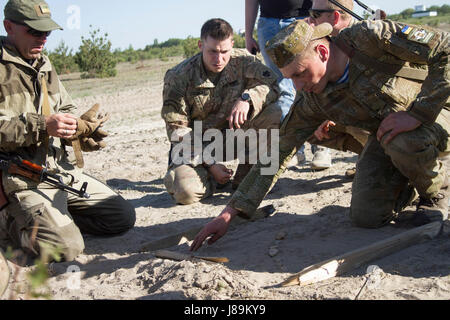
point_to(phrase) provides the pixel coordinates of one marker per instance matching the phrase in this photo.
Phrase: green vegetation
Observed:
(94, 56)
(443, 16)
(62, 59)
(96, 59)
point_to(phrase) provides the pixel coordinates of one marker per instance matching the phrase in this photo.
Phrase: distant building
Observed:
(421, 11)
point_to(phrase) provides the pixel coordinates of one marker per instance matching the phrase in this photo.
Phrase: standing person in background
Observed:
(276, 15)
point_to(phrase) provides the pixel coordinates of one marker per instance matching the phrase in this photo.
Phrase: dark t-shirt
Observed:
(283, 9)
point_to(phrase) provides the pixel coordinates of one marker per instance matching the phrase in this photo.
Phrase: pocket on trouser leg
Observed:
(34, 229)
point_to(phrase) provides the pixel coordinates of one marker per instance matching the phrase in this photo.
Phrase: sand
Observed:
(311, 223)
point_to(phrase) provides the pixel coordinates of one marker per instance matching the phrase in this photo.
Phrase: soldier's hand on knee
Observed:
(394, 124)
(220, 173)
(61, 125)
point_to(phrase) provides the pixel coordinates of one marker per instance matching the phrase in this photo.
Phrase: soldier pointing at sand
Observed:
(397, 89)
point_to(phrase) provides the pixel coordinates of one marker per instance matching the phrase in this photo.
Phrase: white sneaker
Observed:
(301, 158)
(322, 159)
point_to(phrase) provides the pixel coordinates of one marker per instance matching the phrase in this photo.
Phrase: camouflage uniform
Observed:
(60, 216)
(189, 95)
(383, 171)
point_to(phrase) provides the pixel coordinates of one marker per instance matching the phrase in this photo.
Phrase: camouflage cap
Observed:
(34, 13)
(293, 39)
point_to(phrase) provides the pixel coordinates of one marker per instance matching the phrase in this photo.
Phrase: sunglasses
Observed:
(316, 13)
(33, 32)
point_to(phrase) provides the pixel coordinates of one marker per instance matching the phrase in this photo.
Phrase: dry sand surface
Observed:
(311, 223)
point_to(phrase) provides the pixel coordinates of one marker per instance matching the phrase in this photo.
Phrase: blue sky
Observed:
(139, 22)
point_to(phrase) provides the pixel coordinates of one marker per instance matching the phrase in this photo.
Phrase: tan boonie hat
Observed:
(33, 13)
(293, 39)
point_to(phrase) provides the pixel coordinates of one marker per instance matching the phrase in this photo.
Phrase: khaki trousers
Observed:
(60, 217)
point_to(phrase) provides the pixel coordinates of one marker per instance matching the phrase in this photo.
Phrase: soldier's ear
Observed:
(336, 17)
(8, 26)
(200, 44)
(323, 51)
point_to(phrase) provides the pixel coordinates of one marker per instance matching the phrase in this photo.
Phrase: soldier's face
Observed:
(307, 74)
(216, 53)
(28, 45)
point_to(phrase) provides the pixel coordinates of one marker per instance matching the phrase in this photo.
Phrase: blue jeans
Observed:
(267, 29)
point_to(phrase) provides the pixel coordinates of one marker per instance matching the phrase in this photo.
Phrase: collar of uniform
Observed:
(228, 74)
(334, 86)
(202, 80)
(9, 53)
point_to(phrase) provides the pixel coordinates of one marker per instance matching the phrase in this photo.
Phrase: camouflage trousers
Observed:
(386, 174)
(187, 184)
(49, 216)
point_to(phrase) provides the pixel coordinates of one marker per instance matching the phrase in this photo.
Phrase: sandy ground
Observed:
(311, 223)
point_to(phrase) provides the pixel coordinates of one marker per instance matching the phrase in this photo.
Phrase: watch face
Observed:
(245, 97)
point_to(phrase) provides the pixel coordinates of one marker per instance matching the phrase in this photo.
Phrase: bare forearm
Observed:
(251, 12)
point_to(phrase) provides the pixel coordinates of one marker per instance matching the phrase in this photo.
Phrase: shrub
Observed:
(62, 59)
(95, 57)
(190, 46)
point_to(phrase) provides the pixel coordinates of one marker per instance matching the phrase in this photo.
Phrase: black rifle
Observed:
(13, 164)
(350, 12)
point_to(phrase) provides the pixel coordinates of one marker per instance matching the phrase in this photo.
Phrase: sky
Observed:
(140, 22)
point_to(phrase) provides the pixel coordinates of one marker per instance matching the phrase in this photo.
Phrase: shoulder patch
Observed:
(418, 35)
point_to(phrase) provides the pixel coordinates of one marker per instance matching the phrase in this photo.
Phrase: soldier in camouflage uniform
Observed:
(36, 123)
(398, 89)
(223, 88)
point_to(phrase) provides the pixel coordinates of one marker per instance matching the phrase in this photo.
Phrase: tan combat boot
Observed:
(434, 209)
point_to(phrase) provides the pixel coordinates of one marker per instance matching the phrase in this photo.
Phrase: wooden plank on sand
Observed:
(351, 260)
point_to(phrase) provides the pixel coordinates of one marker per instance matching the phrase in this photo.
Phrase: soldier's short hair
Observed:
(217, 29)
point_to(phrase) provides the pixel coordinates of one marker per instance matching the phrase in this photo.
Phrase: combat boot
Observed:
(350, 173)
(434, 209)
(240, 174)
(321, 159)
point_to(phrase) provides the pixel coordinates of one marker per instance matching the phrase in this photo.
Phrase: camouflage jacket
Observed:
(189, 95)
(367, 97)
(22, 125)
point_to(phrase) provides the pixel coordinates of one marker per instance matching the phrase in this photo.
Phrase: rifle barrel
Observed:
(365, 7)
(350, 12)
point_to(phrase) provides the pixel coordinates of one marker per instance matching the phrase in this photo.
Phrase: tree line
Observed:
(407, 13)
(96, 59)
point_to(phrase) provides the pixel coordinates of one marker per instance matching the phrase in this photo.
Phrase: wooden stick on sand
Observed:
(351, 260)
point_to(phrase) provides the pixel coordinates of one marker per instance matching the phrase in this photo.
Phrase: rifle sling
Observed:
(388, 68)
(46, 111)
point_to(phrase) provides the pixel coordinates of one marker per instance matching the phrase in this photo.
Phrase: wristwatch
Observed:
(246, 97)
